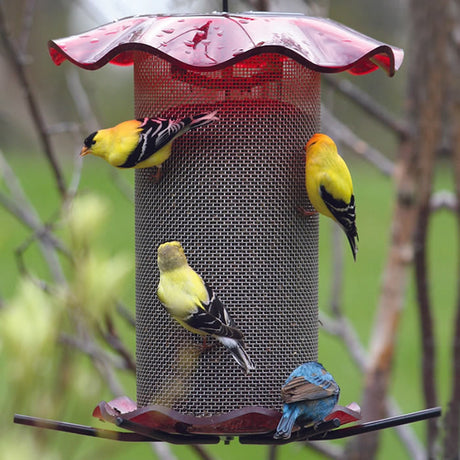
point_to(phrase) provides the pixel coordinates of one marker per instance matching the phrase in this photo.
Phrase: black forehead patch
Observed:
(89, 141)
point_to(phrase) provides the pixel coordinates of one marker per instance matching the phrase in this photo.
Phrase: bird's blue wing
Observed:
(309, 382)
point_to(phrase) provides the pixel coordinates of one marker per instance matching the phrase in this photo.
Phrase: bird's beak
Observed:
(85, 151)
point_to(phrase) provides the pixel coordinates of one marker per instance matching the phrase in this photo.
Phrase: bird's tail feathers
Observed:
(179, 127)
(285, 425)
(202, 119)
(238, 352)
(351, 239)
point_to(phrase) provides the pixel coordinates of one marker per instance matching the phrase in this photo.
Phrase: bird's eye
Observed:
(89, 141)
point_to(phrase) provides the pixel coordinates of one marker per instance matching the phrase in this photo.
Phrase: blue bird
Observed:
(310, 393)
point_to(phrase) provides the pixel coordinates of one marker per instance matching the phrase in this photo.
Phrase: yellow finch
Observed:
(141, 143)
(329, 185)
(194, 305)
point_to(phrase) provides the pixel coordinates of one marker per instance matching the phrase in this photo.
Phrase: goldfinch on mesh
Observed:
(141, 143)
(193, 304)
(329, 185)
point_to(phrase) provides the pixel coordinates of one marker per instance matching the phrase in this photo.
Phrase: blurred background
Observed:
(67, 337)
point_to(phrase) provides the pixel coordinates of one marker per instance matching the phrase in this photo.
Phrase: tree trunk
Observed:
(427, 74)
(452, 419)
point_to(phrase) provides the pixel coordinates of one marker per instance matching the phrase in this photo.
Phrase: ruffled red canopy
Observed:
(211, 42)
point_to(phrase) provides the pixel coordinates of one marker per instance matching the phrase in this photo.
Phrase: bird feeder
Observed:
(230, 194)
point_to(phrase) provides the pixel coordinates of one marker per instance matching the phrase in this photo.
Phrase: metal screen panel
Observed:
(229, 194)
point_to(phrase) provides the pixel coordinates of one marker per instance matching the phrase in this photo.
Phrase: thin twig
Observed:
(90, 123)
(16, 61)
(444, 199)
(102, 361)
(163, 451)
(337, 270)
(123, 311)
(125, 187)
(22, 267)
(367, 103)
(27, 21)
(273, 452)
(452, 418)
(342, 134)
(19, 206)
(112, 338)
(201, 452)
(426, 110)
(89, 347)
(81, 100)
(62, 127)
(426, 318)
(328, 450)
(341, 327)
(406, 433)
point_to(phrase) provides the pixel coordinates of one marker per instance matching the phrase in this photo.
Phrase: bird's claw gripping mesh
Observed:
(230, 194)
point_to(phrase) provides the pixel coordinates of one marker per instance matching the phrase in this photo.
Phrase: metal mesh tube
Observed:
(229, 194)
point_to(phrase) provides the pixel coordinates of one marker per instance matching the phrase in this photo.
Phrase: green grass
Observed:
(361, 291)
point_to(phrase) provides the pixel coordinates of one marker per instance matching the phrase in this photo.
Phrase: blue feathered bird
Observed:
(310, 393)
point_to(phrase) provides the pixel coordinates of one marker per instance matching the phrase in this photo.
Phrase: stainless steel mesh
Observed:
(229, 193)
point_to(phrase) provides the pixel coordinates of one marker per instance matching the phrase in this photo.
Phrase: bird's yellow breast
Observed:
(124, 139)
(182, 292)
(325, 167)
(157, 158)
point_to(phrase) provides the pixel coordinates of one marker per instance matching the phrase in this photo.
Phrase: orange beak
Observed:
(85, 151)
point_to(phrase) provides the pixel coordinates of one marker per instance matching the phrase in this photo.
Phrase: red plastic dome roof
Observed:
(210, 42)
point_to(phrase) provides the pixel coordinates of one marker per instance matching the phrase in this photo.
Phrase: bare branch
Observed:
(326, 449)
(425, 315)
(406, 433)
(342, 328)
(89, 347)
(81, 101)
(27, 21)
(413, 177)
(126, 314)
(201, 452)
(163, 451)
(260, 5)
(367, 103)
(17, 63)
(444, 199)
(19, 206)
(120, 181)
(452, 418)
(22, 267)
(102, 361)
(62, 127)
(90, 122)
(342, 134)
(272, 452)
(112, 338)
